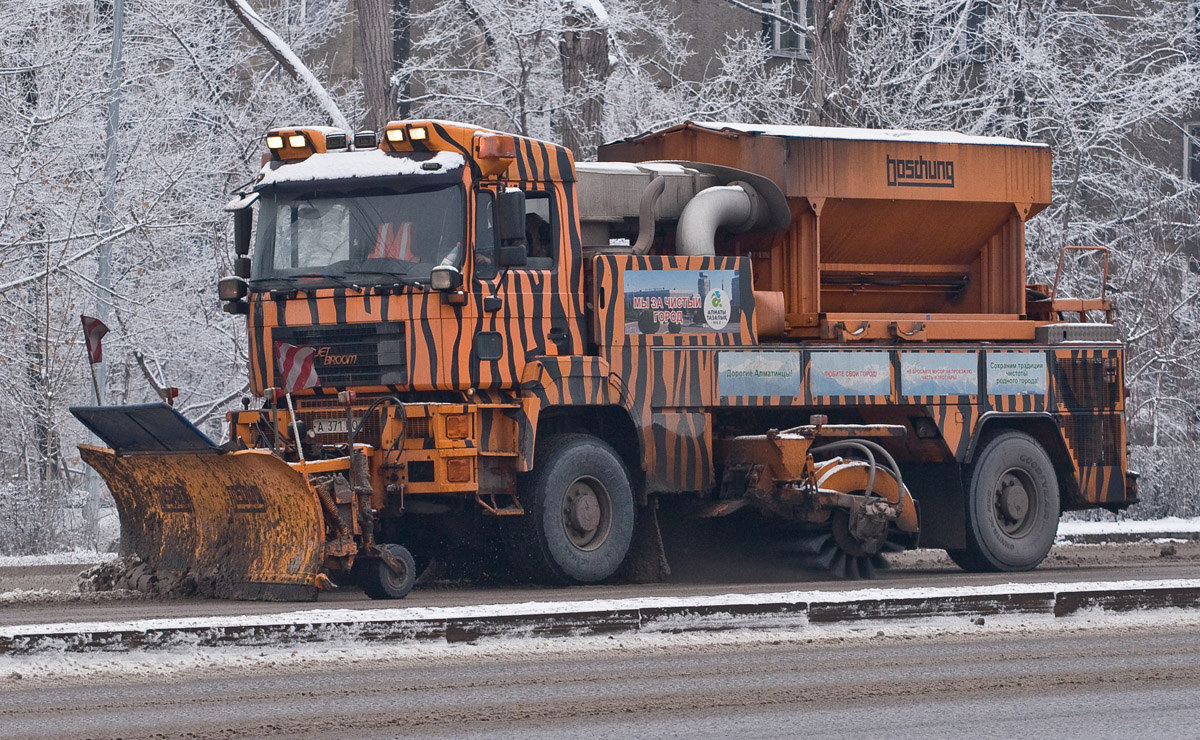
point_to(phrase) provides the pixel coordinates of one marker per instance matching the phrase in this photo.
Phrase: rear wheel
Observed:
(579, 513)
(1012, 506)
(380, 581)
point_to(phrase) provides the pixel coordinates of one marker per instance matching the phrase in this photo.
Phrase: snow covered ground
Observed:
(49, 669)
(1170, 525)
(338, 617)
(73, 557)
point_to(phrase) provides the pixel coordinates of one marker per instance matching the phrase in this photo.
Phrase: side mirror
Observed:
(243, 222)
(510, 216)
(241, 267)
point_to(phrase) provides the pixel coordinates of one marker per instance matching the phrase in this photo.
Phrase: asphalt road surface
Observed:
(1102, 682)
(1116, 562)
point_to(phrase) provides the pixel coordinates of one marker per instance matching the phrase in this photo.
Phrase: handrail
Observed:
(1058, 272)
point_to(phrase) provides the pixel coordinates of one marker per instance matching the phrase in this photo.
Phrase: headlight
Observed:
(231, 288)
(445, 277)
(458, 426)
(458, 470)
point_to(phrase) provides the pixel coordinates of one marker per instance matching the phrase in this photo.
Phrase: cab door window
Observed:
(541, 230)
(485, 236)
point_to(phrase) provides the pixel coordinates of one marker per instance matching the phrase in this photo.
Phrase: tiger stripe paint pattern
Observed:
(665, 382)
(662, 357)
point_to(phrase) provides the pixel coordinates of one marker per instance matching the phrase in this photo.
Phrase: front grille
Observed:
(417, 428)
(371, 431)
(352, 355)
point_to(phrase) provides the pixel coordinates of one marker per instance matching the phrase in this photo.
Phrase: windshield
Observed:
(364, 236)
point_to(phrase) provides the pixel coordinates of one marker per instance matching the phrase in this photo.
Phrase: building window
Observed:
(783, 38)
(1191, 151)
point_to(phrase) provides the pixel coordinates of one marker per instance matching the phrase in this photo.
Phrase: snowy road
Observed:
(1086, 678)
(1066, 564)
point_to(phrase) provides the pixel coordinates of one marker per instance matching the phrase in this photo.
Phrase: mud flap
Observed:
(647, 558)
(240, 525)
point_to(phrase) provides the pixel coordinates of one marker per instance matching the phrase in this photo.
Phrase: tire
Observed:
(378, 581)
(1012, 506)
(579, 514)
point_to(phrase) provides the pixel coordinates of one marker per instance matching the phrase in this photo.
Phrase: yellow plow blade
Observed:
(242, 525)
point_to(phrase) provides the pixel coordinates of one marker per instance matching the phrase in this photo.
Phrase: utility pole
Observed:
(108, 203)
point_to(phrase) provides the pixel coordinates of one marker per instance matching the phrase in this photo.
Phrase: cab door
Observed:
(524, 311)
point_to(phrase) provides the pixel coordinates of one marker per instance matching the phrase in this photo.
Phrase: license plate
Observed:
(330, 426)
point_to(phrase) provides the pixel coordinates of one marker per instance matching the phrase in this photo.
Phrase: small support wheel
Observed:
(379, 581)
(1012, 506)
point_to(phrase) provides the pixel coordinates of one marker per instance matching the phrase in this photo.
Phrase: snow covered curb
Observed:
(783, 610)
(1128, 531)
(82, 558)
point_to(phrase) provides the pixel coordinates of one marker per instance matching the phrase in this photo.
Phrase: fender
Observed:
(992, 416)
(566, 381)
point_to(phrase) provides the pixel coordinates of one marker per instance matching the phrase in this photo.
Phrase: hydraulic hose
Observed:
(371, 409)
(867, 446)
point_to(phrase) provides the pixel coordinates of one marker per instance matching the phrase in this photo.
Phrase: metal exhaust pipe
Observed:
(736, 207)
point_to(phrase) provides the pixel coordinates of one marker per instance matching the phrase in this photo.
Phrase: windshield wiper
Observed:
(291, 279)
(399, 275)
(397, 272)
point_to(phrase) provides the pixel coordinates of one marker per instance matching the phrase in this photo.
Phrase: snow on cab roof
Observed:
(355, 165)
(858, 134)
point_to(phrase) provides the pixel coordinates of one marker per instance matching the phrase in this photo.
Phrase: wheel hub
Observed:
(586, 513)
(1013, 503)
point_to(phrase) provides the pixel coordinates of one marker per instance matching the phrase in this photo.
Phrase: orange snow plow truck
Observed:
(460, 337)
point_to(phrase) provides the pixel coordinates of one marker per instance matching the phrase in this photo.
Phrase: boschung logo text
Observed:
(920, 172)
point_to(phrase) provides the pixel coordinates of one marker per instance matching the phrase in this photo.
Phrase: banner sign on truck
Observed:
(682, 301)
(939, 373)
(759, 374)
(1016, 373)
(850, 374)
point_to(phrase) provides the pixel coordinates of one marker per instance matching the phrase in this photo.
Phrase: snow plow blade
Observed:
(236, 525)
(242, 525)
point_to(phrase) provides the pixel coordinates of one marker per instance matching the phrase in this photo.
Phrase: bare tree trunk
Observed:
(376, 45)
(830, 62)
(584, 49)
(401, 48)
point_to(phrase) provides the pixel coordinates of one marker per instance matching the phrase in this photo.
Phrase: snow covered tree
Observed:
(196, 96)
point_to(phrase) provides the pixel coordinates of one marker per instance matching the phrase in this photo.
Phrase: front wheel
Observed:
(1012, 506)
(579, 513)
(380, 581)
